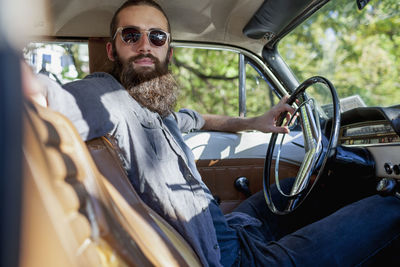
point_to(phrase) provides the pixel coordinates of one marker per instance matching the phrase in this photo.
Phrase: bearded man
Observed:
(134, 104)
(141, 66)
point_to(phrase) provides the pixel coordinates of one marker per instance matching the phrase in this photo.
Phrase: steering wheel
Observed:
(319, 148)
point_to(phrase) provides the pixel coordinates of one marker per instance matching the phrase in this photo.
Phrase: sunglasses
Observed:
(131, 35)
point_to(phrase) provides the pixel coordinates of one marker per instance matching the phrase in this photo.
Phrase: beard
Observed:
(155, 89)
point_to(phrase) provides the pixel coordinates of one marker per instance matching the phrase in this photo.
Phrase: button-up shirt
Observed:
(159, 164)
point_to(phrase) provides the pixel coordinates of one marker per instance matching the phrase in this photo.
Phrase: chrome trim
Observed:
(242, 86)
(373, 145)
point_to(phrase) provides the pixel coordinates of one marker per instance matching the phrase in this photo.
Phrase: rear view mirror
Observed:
(362, 3)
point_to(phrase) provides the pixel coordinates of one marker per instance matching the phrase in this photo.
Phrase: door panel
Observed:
(220, 175)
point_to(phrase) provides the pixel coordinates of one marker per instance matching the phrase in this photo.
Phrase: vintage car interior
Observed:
(69, 203)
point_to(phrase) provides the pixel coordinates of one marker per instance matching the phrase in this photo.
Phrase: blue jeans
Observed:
(330, 228)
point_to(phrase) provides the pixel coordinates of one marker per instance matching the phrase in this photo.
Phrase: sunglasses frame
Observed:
(120, 29)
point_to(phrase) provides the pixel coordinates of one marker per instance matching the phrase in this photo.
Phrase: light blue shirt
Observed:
(159, 164)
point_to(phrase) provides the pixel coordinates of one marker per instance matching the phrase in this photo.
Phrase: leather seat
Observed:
(75, 214)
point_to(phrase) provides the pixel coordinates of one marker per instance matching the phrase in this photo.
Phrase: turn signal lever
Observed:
(388, 187)
(242, 185)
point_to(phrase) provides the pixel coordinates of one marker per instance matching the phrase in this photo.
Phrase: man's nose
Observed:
(143, 45)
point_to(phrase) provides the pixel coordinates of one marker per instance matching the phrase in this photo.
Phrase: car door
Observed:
(224, 80)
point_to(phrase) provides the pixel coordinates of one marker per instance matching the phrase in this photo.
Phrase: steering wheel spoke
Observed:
(312, 145)
(311, 126)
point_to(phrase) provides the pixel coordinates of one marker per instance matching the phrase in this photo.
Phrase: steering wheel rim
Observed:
(315, 157)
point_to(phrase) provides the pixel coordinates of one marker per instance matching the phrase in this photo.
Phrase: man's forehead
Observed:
(142, 16)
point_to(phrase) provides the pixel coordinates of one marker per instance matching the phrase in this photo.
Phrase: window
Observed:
(208, 79)
(63, 62)
(209, 82)
(259, 95)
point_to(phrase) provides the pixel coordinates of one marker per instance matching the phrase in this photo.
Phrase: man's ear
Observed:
(110, 53)
(171, 52)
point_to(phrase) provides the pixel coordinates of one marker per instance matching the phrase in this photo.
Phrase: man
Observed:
(143, 62)
(135, 106)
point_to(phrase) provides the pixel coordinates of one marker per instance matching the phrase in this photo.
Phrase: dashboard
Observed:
(376, 129)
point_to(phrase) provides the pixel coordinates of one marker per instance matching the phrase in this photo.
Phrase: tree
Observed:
(357, 50)
(209, 82)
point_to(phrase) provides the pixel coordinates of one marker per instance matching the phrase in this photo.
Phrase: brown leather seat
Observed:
(74, 215)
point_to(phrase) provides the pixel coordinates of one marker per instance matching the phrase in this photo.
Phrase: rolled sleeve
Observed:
(62, 101)
(188, 120)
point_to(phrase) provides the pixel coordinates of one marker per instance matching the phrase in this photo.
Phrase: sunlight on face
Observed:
(144, 18)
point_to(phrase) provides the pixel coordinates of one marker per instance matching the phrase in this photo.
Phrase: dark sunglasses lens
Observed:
(158, 38)
(130, 35)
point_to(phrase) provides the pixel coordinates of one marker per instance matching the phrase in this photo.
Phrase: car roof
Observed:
(212, 21)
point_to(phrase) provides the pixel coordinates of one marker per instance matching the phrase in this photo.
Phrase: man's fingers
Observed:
(284, 99)
(288, 116)
(283, 106)
(283, 129)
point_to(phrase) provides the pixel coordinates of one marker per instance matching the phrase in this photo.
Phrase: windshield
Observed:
(358, 51)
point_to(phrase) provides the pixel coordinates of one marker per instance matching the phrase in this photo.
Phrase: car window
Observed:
(61, 61)
(208, 79)
(209, 82)
(259, 95)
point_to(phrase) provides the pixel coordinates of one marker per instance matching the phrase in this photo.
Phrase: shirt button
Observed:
(216, 246)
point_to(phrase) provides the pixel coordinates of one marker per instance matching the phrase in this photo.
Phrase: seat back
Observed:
(74, 215)
(98, 59)
(149, 227)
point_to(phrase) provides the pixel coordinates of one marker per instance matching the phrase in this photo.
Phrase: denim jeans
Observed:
(330, 228)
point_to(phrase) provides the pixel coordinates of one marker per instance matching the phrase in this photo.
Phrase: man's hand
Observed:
(32, 88)
(267, 122)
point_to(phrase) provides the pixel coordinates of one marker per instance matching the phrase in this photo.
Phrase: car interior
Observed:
(70, 203)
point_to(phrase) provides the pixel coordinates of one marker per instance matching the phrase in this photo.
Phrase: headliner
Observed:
(205, 21)
(210, 21)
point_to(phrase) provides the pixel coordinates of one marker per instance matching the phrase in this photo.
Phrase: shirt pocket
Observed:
(158, 142)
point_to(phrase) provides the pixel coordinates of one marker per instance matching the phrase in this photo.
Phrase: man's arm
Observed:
(264, 123)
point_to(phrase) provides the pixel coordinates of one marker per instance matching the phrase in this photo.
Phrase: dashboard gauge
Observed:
(368, 133)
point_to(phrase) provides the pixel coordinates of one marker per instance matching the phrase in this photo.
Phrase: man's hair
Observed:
(152, 3)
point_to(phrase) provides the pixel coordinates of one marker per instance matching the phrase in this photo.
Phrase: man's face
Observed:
(144, 18)
(142, 67)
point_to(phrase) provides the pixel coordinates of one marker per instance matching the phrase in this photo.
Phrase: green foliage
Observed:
(357, 50)
(209, 82)
(259, 96)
